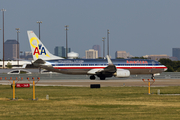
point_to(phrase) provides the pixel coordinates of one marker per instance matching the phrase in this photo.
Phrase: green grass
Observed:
(78, 103)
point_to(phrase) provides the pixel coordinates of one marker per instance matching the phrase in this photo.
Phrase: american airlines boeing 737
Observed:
(101, 68)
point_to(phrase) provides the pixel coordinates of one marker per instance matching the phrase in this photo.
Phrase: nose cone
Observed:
(165, 68)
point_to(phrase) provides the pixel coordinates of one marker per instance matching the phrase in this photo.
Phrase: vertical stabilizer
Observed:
(38, 50)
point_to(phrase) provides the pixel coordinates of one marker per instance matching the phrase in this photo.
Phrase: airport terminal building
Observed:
(14, 64)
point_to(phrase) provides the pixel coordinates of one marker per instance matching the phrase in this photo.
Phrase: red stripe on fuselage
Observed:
(152, 67)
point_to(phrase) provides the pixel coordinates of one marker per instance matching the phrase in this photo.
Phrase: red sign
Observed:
(22, 85)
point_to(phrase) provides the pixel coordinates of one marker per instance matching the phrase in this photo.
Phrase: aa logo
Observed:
(39, 50)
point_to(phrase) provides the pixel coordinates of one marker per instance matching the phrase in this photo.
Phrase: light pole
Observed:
(103, 39)
(18, 45)
(39, 22)
(66, 28)
(3, 34)
(0, 29)
(108, 41)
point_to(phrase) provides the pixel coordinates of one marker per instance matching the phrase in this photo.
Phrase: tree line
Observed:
(173, 66)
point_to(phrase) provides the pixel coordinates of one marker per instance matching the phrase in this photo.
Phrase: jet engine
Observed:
(120, 73)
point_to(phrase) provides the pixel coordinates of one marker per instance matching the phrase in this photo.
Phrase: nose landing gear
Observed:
(152, 77)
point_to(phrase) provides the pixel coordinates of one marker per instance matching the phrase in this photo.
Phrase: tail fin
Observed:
(38, 50)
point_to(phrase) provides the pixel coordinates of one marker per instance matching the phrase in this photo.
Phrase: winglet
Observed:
(109, 60)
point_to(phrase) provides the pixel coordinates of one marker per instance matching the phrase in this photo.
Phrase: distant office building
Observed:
(27, 53)
(10, 50)
(98, 48)
(122, 54)
(176, 53)
(26, 56)
(69, 50)
(91, 54)
(61, 51)
(157, 57)
(145, 56)
(173, 58)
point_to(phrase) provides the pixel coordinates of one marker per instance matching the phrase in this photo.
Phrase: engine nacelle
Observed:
(122, 73)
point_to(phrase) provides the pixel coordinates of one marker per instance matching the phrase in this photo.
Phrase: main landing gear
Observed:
(39, 69)
(92, 77)
(102, 78)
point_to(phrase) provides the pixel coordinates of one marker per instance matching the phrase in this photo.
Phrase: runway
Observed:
(103, 83)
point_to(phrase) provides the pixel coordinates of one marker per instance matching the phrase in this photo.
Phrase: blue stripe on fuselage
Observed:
(103, 62)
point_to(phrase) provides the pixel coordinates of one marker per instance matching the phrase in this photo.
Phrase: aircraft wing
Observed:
(108, 71)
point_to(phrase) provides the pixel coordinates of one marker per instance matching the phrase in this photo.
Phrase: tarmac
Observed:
(103, 83)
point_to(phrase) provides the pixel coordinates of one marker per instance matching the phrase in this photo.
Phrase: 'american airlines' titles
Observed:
(137, 62)
(71, 61)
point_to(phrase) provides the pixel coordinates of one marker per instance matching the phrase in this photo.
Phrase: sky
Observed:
(140, 27)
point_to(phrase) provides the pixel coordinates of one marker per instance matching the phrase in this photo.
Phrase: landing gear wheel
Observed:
(92, 77)
(39, 69)
(102, 78)
(152, 76)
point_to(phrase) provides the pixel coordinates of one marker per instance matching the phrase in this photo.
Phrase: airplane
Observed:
(102, 68)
